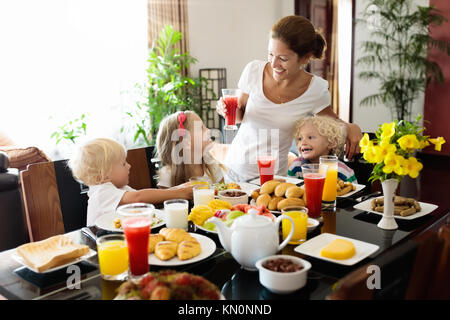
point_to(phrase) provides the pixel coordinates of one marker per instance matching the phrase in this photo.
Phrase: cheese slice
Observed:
(338, 249)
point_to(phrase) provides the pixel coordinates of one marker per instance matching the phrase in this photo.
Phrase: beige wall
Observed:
(230, 33)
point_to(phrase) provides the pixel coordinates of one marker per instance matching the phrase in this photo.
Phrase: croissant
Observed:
(189, 249)
(269, 186)
(153, 240)
(174, 234)
(166, 250)
(280, 189)
(263, 199)
(294, 192)
(274, 202)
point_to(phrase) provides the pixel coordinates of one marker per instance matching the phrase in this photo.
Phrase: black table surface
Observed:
(235, 283)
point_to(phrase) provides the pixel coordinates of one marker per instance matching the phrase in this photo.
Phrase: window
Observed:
(63, 58)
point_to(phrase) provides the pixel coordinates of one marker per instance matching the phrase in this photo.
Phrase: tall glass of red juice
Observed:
(137, 230)
(266, 167)
(314, 178)
(230, 99)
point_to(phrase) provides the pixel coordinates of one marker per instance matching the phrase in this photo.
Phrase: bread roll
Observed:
(255, 194)
(273, 203)
(290, 202)
(280, 190)
(269, 186)
(175, 234)
(166, 250)
(153, 240)
(263, 199)
(294, 192)
(188, 249)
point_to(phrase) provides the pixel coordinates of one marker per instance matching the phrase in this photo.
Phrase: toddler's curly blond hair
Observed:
(330, 128)
(94, 160)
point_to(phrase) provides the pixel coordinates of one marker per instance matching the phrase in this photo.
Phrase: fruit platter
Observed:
(221, 186)
(223, 210)
(169, 285)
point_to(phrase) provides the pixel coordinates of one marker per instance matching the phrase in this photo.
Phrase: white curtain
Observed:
(344, 49)
(62, 58)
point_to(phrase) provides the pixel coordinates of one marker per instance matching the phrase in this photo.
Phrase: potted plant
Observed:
(396, 54)
(168, 88)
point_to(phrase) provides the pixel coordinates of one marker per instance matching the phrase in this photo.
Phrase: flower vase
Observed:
(387, 222)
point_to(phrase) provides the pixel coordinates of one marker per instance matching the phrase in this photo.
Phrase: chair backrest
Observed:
(54, 201)
(143, 170)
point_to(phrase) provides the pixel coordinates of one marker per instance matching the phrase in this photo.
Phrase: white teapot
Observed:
(251, 237)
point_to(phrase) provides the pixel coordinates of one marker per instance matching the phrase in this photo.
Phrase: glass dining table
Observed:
(235, 283)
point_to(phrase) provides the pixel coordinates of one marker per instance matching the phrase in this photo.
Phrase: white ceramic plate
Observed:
(106, 221)
(206, 230)
(313, 247)
(20, 260)
(287, 179)
(359, 187)
(208, 248)
(427, 208)
(248, 187)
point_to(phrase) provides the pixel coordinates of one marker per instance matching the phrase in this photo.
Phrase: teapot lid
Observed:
(252, 220)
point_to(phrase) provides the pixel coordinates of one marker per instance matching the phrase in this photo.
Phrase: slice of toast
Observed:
(51, 252)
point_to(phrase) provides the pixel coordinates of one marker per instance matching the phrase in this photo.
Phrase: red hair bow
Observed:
(181, 119)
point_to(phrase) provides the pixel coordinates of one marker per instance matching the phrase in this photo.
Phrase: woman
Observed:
(276, 94)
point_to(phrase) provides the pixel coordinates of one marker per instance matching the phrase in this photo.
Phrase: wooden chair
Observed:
(54, 201)
(143, 169)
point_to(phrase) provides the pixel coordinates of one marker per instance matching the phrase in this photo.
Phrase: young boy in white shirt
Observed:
(101, 164)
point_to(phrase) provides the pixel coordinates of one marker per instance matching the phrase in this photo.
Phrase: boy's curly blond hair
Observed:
(330, 128)
(94, 160)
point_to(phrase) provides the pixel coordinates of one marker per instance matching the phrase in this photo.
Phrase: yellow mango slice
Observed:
(338, 249)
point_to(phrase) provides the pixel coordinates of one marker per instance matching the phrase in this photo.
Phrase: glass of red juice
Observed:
(266, 167)
(230, 99)
(137, 230)
(314, 178)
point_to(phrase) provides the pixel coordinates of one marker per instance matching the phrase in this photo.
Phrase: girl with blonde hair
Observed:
(320, 136)
(183, 143)
(101, 164)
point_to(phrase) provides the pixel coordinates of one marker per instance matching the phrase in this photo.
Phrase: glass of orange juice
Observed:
(113, 256)
(330, 186)
(299, 215)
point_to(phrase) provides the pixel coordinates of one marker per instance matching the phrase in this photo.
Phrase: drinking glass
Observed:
(113, 256)
(266, 166)
(203, 195)
(199, 180)
(330, 186)
(299, 215)
(137, 219)
(136, 210)
(176, 213)
(230, 99)
(314, 177)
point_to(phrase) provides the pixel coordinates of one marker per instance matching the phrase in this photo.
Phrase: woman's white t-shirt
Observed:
(269, 126)
(104, 198)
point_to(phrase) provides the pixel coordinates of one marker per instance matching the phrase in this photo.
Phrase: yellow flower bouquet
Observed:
(392, 152)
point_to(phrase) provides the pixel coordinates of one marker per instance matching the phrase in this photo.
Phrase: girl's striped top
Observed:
(345, 173)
